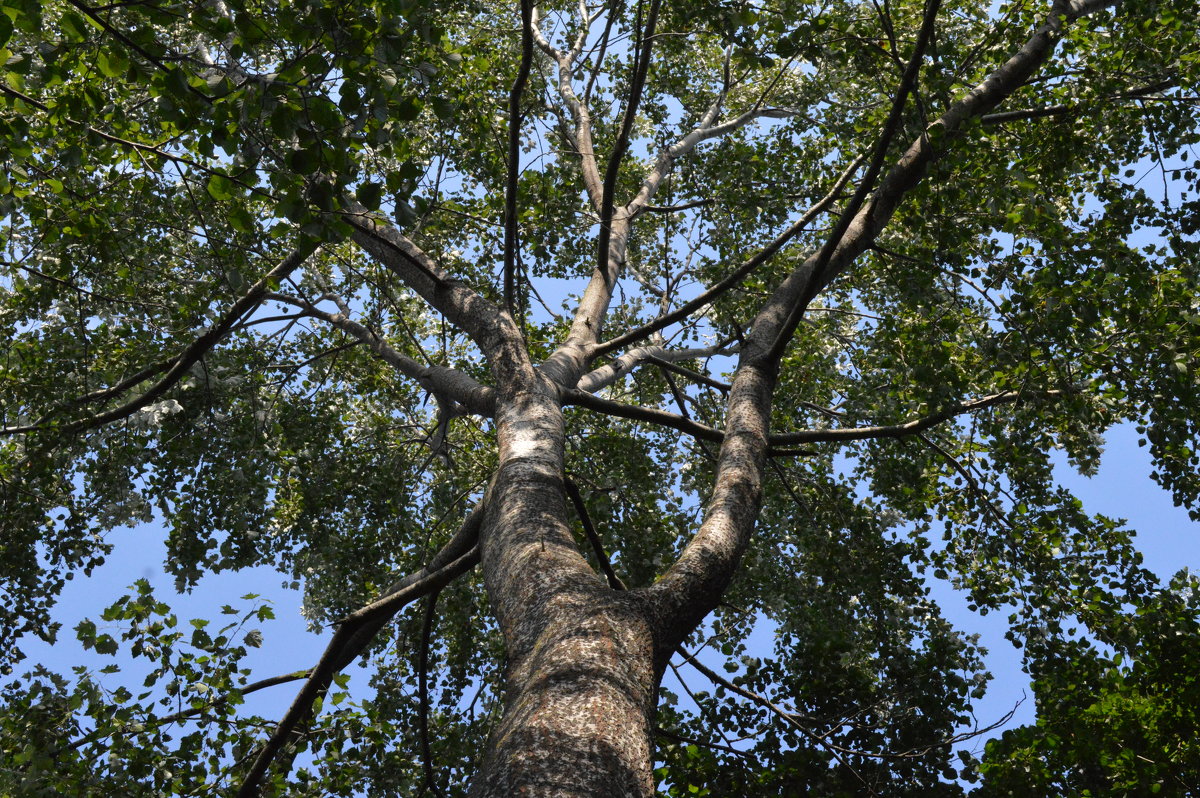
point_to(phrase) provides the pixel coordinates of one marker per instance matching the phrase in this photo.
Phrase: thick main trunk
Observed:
(578, 713)
(581, 681)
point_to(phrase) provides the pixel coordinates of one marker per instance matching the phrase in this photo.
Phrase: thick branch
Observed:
(698, 578)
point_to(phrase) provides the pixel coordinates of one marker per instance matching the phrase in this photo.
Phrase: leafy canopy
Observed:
(198, 336)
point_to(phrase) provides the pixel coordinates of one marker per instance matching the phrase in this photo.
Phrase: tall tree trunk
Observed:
(581, 682)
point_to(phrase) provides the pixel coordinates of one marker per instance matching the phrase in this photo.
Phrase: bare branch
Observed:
(702, 132)
(616, 369)
(579, 113)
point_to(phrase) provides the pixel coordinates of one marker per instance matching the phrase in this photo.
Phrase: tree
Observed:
(601, 334)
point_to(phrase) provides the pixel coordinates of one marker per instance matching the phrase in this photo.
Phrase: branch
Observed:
(738, 274)
(514, 156)
(704, 432)
(695, 582)
(579, 112)
(703, 379)
(854, 237)
(637, 83)
(683, 738)
(185, 360)
(356, 631)
(649, 415)
(191, 712)
(489, 327)
(703, 132)
(132, 45)
(442, 381)
(589, 529)
(566, 364)
(819, 266)
(707, 129)
(778, 711)
(152, 149)
(616, 369)
(972, 483)
(1058, 110)
(914, 427)
(792, 720)
(423, 691)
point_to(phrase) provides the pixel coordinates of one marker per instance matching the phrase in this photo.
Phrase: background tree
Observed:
(607, 333)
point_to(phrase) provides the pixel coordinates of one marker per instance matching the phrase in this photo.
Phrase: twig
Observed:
(190, 355)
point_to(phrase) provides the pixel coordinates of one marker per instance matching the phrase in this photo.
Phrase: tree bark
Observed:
(581, 680)
(578, 715)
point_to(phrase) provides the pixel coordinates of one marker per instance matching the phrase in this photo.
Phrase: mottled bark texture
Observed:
(581, 680)
(579, 710)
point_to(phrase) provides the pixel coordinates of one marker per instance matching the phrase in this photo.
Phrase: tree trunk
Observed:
(582, 680)
(578, 714)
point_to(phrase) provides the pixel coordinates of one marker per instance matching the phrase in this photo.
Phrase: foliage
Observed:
(204, 332)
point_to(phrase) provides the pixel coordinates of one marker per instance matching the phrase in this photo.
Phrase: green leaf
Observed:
(370, 195)
(242, 220)
(220, 187)
(112, 63)
(305, 161)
